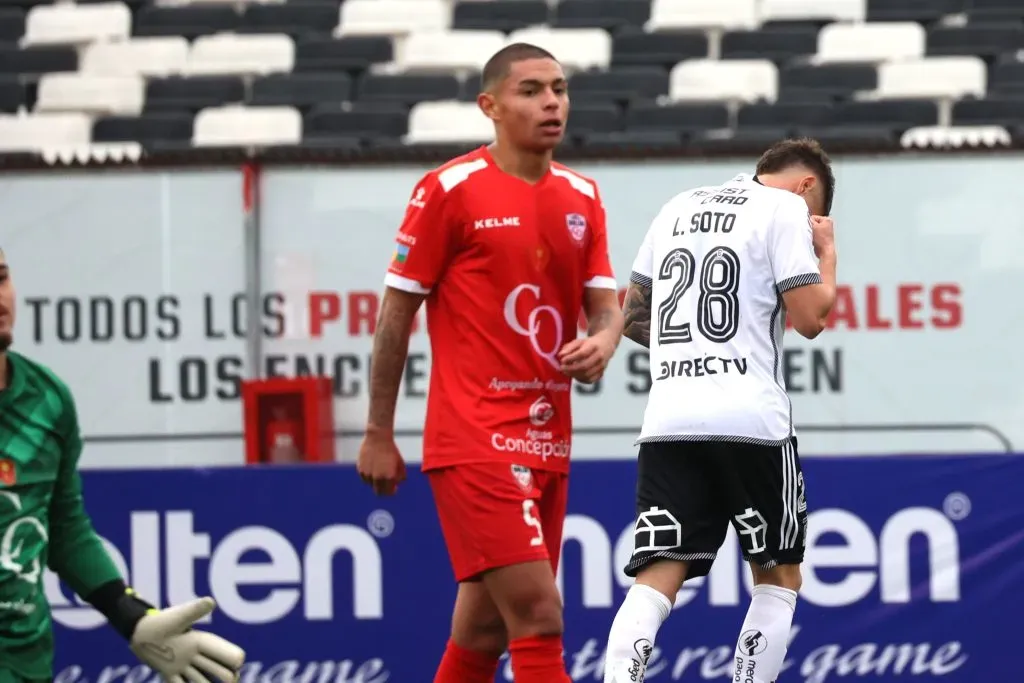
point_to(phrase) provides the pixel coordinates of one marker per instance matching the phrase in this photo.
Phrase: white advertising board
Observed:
(131, 286)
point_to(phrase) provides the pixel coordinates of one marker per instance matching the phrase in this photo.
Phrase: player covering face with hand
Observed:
(719, 272)
(505, 246)
(44, 524)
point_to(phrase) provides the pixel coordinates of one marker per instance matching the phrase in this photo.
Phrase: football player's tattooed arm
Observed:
(637, 310)
(390, 349)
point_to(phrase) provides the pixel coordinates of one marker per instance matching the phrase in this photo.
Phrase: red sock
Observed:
(538, 659)
(459, 665)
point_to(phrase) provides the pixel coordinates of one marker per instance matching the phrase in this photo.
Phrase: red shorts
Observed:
(496, 514)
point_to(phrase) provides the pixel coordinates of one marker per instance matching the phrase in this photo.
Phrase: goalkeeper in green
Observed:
(43, 523)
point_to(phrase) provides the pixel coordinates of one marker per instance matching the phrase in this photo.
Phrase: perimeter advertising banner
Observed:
(913, 570)
(132, 286)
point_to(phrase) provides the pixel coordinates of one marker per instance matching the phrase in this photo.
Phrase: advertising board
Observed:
(133, 288)
(911, 573)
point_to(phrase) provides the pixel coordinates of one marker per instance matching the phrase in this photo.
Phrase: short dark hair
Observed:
(497, 67)
(801, 152)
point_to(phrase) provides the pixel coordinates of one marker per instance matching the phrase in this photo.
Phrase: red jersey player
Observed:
(505, 245)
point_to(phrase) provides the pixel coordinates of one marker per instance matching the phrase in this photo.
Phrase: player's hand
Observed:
(585, 359)
(164, 641)
(380, 464)
(822, 235)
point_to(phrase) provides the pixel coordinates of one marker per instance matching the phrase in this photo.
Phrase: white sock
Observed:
(764, 637)
(631, 639)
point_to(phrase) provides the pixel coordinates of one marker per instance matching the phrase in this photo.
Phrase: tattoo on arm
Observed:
(390, 349)
(637, 310)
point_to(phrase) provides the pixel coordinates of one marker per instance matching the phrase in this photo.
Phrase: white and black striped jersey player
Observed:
(718, 273)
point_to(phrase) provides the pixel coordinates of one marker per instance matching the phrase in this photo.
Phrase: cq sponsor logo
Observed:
(539, 317)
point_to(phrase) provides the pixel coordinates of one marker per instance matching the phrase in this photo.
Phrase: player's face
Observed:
(531, 105)
(6, 305)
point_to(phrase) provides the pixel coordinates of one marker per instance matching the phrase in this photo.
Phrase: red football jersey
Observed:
(504, 265)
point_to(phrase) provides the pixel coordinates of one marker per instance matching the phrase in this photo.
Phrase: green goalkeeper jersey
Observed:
(43, 522)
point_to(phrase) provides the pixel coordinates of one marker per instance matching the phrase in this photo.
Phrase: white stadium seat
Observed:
(709, 14)
(78, 92)
(955, 136)
(836, 10)
(228, 53)
(158, 56)
(746, 80)
(575, 48)
(441, 122)
(70, 24)
(426, 51)
(33, 132)
(237, 125)
(393, 17)
(935, 77)
(872, 42)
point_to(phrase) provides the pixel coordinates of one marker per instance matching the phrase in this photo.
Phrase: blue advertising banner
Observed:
(913, 572)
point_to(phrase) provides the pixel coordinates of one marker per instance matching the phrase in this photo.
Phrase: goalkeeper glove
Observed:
(165, 642)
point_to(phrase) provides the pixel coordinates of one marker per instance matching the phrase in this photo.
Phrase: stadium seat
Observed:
(71, 24)
(408, 89)
(76, 92)
(611, 15)
(361, 122)
(995, 10)
(826, 82)
(148, 129)
(240, 54)
(870, 42)
(37, 60)
(621, 84)
(355, 53)
(1007, 77)
(703, 14)
(26, 133)
(639, 48)
(448, 122)
(745, 80)
(12, 95)
(983, 40)
(301, 90)
(234, 125)
(575, 48)
(293, 17)
(193, 94)
(188, 21)
(393, 17)
(925, 11)
(778, 44)
(685, 119)
(446, 51)
(594, 117)
(833, 10)
(937, 77)
(783, 116)
(991, 111)
(499, 15)
(894, 115)
(156, 56)
(12, 24)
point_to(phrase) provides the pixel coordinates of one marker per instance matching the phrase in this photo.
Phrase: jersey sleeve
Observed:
(643, 265)
(76, 553)
(426, 240)
(790, 249)
(599, 263)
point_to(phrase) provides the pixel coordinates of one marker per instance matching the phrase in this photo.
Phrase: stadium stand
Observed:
(381, 73)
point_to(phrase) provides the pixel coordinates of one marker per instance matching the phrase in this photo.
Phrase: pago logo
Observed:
(165, 548)
(534, 323)
(863, 561)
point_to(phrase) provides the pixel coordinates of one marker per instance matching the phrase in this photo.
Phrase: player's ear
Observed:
(488, 105)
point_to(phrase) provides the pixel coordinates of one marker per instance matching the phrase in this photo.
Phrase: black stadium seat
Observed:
(409, 89)
(350, 53)
(620, 84)
(12, 24)
(12, 94)
(985, 40)
(606, 14)
(193, 93)
(296, 17)
(146, 129)
(1007, 76)
(830, 81)
(991, 111)
(357, 122)
(635, 47)
(500, 15)
(188, 21)
(778, 45)
(783, 116)
(683, 118)
(37, 60)
(925, 11)
(301, 89)
(594, 118)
